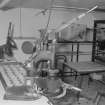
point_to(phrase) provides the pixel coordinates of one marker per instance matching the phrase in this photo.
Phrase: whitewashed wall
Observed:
(30, 23)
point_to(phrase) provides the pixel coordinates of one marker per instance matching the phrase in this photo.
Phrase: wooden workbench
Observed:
(85, 68)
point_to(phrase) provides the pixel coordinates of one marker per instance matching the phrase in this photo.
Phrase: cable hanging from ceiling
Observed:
(49, 17)
(20, 22)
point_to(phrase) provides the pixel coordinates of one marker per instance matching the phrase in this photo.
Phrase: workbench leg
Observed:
(81, 81)
(76, 75)
(80, 86)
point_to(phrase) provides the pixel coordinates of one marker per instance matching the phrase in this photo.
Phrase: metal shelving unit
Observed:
(99, 29)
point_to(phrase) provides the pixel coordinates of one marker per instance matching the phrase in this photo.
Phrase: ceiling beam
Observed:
(4, 3)
(100, 10)
(65, 7)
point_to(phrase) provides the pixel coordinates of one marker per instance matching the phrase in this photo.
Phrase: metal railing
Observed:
(76, 51)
